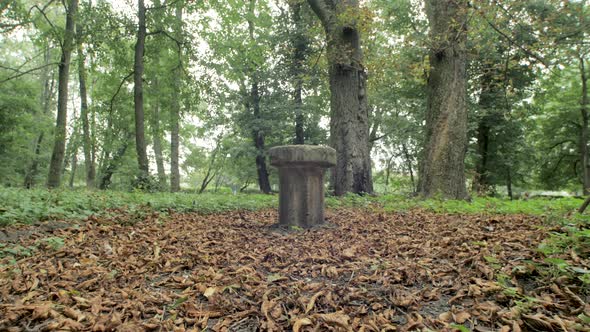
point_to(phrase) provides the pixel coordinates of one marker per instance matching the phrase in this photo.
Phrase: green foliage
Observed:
(480, 205)
(29, 206)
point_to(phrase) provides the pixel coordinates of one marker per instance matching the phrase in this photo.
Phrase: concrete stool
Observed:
(301, 182)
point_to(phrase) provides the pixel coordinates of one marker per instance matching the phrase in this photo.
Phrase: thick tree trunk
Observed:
(86, 135)
(442, 171)
(349, 125)
(59, 146)
(156, 137)
(175, 113)
(299, 48)
(140, 145)
(584, 130)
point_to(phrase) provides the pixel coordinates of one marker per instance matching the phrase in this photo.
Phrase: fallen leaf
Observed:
(311, 303)
(300, 323)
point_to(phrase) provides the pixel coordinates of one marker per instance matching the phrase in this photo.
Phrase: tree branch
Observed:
(22, 73)
(320, 8)
(119, 90)
(53, 28)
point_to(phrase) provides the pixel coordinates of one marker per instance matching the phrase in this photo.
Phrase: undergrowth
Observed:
(29, 206)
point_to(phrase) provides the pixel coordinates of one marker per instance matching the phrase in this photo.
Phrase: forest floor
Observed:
(370, 270)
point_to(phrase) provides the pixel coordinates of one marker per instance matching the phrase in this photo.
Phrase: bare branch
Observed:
(119, 90)
(22, 73)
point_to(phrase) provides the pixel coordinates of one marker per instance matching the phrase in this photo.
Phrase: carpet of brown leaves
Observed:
(371, 271)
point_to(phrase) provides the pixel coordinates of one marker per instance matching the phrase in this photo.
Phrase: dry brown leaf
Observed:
(335, 318)
(461, 317)
(209, 292)
(41, 312)
(311, 303)
(446, 317)
(349, 252)
(73, 314)
(300, 322)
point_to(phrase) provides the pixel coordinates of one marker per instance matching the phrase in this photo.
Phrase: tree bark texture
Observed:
(349, 125)
(175, 113)
(59, 145)
(442, 171)
(299, 48)
(89, 161)
(140, 145)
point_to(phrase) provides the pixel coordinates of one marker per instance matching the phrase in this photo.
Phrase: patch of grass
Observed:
(29, 206)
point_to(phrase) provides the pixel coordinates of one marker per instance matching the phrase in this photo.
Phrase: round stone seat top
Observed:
(285, 155)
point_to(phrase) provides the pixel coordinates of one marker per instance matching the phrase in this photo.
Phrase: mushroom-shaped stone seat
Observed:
(301, 182)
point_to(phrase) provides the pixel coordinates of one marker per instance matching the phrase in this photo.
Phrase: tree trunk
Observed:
(175, 112)
(59, 146)
(140, 145)
(86, 135)
(299, 48)
(584, 130)
(48, 85)
(488, 100)
(112, 164)
(253, 105)
(409, 166)
(156, 137)
(442, 171)
(258, 137)
(73, 168)
(349, 126)
(509, 183)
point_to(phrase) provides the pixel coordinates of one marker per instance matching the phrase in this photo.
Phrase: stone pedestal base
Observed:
(301, 183)
(301, 198)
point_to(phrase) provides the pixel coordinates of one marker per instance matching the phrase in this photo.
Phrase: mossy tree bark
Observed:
(349, 125)
(442, 171)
